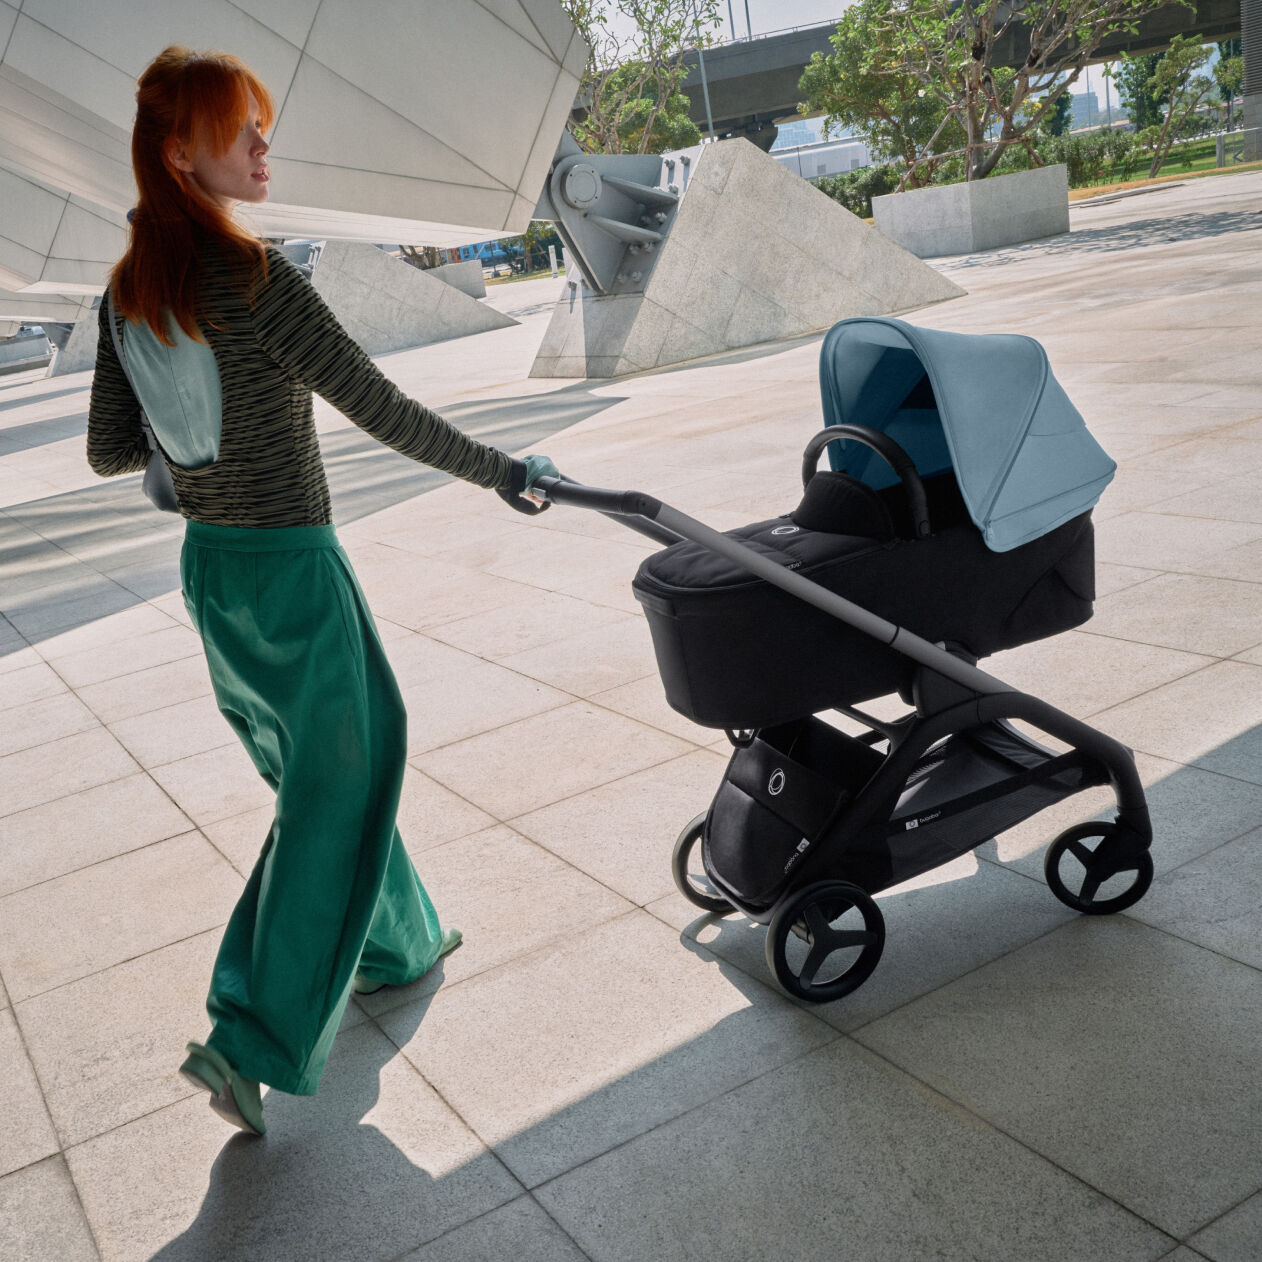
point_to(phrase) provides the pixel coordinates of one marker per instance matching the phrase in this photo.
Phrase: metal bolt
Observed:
(685, 159)
(660, 217)
(670, 163)
(636, 275)
(672, 188)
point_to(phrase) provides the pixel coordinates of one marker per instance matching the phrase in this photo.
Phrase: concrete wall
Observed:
(79, 352)
(754, 254)
(388, 305)
(27, 350)
(466, 277)
(977, 215)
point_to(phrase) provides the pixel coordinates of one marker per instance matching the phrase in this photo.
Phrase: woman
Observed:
(223, 341)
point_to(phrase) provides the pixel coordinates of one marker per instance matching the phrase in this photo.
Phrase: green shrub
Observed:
(856, 189)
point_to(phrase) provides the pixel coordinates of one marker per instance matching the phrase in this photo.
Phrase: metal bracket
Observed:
(613, 211)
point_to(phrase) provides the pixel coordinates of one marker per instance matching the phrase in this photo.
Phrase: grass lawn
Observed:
(1195, 172)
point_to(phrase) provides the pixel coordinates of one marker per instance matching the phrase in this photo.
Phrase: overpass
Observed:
(754, 83)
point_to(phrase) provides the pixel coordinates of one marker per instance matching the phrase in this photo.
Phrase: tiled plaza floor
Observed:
(600, 1073)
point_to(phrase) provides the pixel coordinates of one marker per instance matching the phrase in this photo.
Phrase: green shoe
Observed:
(362, 985)
(234, 1098)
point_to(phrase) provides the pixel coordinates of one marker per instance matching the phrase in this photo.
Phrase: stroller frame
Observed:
(953, 699)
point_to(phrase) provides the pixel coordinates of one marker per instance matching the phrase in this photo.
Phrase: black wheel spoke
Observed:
(1090, 886)
(814, 962)
(817, 924)
(1084, 854)
(810, 913)
(1100, 865)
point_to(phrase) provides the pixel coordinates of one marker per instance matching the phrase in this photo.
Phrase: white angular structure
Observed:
(388, 305)
(753, 254)
(437, 135)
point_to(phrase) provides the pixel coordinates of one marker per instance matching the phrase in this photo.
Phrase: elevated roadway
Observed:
(754, 83)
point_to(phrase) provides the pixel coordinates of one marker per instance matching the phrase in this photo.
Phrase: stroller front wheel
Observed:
(1095, 867)
(690, 878)
(824, 940)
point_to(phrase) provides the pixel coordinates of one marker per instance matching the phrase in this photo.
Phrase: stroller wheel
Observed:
(825, 940)
(1096, 868)
(690, 877)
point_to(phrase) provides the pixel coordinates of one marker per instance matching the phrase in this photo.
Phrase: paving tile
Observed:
(886, 1171)
(79, 924)
(543, 760)
(1211, 616)
(431, 814)
(1166, 541)
(481, 885)
(215, 785)
(622, 833)
(91, 666)
(72, 832)
(38, 722)
(26, 684)
(417, 658)
(1214, 901)
(174, 732)
(1210, 719)
(143, 691)
(61, 767)
(520, 1230)
(426, 593)
(645, 700)
(177, 1184)
(26, 1132)
(593, 660)
(1082, 673)
(550, 1073)
(108, 1047)
(129, 624)
(545, 618)
(477, 697)
(1158, 1030)
(41, 1219)
(1229, 499)
(1253, 655)
(80, 596)
(1234, 1237)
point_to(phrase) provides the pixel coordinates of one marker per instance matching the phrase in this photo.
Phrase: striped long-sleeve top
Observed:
(271, 353)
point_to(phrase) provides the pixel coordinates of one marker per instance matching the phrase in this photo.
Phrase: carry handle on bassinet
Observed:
(890, 452)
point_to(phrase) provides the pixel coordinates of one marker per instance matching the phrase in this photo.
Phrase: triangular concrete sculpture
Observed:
(388, 305)
(754, 254)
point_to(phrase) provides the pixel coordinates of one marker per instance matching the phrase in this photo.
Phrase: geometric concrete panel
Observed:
(977, 215)
(35, 308)
(754, 254)
(377, 137)
(466, 277)
(79, 352)
(388, 305)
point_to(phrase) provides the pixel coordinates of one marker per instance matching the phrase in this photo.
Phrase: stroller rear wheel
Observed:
(690, 878)
(1096, 868)
(824, 940)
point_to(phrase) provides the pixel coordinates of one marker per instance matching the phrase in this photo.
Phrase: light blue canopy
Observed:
(983, 403)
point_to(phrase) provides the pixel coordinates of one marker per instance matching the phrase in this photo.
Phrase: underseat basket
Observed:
(736, 652)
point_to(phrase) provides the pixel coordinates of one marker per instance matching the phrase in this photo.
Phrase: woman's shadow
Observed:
(327, 1182)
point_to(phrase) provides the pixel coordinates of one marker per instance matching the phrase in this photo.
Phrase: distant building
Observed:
(1085, 111)
(825, 157)
(796, 132)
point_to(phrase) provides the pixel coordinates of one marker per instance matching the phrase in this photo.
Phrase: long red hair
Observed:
(184, 99)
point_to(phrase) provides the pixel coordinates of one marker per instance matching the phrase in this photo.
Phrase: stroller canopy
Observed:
(985, 404)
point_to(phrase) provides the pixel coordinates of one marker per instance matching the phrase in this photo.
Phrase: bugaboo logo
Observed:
(785, 530)
(776, 784)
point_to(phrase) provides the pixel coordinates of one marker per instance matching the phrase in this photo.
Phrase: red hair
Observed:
(184, 99)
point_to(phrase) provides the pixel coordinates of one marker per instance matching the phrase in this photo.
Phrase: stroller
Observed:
(955, 521)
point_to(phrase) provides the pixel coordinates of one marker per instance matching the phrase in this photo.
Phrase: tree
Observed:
(1229, 73)
(1133, 77)
(1182, 92)
(1057, 122)
(953, 48)
(860, 95)
(630, 87)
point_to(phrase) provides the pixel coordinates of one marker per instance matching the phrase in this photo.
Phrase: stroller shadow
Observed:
(327, 1179)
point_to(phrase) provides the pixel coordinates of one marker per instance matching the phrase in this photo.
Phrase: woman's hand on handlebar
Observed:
(525, 473)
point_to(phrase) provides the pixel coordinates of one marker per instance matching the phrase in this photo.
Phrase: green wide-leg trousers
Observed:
(300, 674)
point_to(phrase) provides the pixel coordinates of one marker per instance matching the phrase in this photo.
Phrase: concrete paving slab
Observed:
(41, 1219)
(1234, 1237)
(109, 661)
(26, 1131)
(1209, 718)
(645, 701)
(1211, 616)
(1153, 540)
(376, 1157)
(563, 1075)
(79, 924)
(23, 684)
(887, 1170)
(1214, 901)
(174, 732)
(215, 785)
(521, 1230)
(48, 719)
(546, 618)
(591, 661)
(60, 768)
(144, 691)
(543, 760)
(1156, 1024)
(75, 831)
(107, 1047)
(510, 874)
(622, 833)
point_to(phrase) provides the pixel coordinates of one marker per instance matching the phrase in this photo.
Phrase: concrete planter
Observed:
(979, 215)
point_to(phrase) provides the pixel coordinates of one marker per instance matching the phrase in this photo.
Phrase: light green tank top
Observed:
(178, 387)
